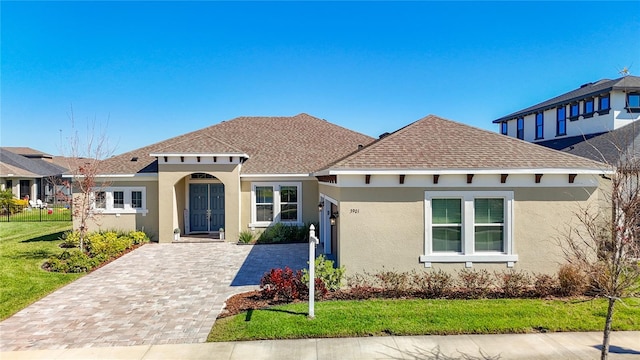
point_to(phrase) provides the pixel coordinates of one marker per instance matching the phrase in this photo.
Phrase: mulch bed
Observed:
(251, 300)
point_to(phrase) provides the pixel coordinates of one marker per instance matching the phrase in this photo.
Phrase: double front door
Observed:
(206, 207)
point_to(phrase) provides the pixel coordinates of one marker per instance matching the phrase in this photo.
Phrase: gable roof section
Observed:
(434, 143)
(612, 147)
(591, 89)
(297, 144)
(37, 167)
(27, 152)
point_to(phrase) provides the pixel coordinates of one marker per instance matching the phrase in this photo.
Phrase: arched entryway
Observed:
(206, 204)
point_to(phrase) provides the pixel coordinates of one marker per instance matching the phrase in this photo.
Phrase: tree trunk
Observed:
(604, 354)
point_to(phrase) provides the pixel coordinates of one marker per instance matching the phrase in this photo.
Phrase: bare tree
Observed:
(84, 154)
(606, 244)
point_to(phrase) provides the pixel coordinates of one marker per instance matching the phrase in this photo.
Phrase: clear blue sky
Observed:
(154, 70)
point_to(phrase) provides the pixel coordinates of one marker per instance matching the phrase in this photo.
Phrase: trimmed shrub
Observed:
(282, 285)
(545, 285)
(325, 270)
(394, 284)
(435, 284)
(100, 248)
(280, 233)
(475, 284)
(573, 281)
(71, 261)
(513, 283)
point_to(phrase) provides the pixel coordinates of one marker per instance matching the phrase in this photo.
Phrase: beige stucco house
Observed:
(434, 194)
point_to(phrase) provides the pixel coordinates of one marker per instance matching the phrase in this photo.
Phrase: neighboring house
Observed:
(614, 147)
(435, 193)
(29, 172)
(580, 114)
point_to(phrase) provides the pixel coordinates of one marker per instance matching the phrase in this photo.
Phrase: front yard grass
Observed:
(423, 317)
(24, 247)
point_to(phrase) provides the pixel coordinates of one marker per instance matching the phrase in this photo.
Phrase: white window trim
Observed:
(468, 254)
(128, 209)
(276, 204)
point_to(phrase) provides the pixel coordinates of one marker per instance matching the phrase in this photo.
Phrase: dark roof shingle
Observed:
(627, 83)
(297, 144)
(435, 143)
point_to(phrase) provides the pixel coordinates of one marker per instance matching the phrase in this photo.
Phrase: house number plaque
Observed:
(354, 211)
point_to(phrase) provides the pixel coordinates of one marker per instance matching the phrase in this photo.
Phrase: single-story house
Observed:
(31, 173)
(434, 194)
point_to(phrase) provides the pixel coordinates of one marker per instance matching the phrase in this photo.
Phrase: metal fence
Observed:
(35, 214)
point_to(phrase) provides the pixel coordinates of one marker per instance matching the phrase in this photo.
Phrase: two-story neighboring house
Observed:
(590, 110)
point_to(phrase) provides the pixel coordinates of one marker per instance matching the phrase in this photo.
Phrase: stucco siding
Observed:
(309, 209)
(385, 227)
(172, 180)
(128, 221)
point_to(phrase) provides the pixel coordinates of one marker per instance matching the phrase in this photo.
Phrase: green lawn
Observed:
(422, 317)
(23, 249)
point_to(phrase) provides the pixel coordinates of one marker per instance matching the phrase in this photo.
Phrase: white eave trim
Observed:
(200, 154)
(461, 171)
(146, 175)
(274, 175)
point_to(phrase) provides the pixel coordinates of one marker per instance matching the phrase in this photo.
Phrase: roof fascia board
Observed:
(199, 154)
(278, 177)
(118, 176)
(593, 171)
(553, 105)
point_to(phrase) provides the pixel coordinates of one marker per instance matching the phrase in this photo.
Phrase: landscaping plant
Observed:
(100, 247)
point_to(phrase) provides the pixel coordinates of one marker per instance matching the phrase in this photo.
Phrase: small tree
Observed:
(84, 168)
(6, 201)
(606, 244)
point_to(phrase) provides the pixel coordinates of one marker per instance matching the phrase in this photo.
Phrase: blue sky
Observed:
(147, 71)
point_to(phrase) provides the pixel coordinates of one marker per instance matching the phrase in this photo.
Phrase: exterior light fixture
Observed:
(320, 206)
(332, 218)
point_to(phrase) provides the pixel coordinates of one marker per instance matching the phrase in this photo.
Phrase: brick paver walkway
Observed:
(157, 294)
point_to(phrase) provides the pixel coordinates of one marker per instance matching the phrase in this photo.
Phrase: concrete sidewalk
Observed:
(624, 345)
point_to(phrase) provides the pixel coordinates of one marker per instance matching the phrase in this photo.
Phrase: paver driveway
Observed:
(157, 294)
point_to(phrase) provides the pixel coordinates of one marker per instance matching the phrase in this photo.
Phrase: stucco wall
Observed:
(310, 201)
(385, 227)
(127, 222)
(172, 202)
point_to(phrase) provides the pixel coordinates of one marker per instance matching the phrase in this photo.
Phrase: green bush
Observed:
(246, 237)
(282, 234)
(71, 261)
(70, 239)
(100, 248)
(326, 272)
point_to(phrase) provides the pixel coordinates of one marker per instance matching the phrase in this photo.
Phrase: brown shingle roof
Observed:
(435, 143)
(25, 151)
(7, 170)
(297, 144)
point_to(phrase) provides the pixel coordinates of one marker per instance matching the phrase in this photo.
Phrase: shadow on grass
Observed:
(34, 254)
(437, 354)
(48, 237)
(287, 311)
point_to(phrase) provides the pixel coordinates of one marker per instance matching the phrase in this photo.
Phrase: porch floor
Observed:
(199, 238)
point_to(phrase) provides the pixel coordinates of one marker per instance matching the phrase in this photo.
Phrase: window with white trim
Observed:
(118, 199)
(100, 200)
(121, 200)
(468, 226)
(136, 199)
(276, 202)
